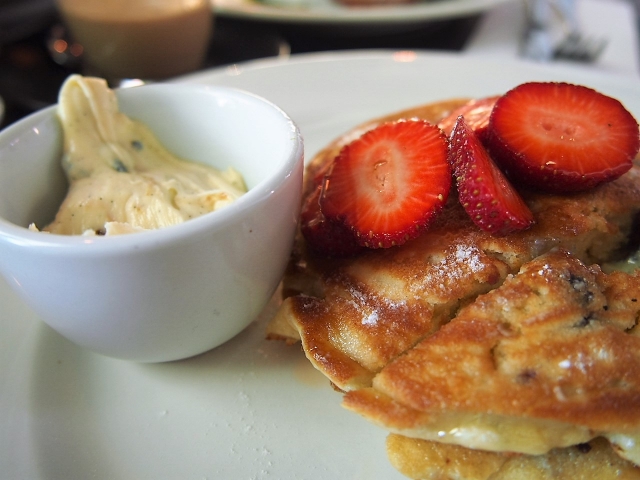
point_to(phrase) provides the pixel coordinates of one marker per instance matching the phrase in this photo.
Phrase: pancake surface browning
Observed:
(363, 321)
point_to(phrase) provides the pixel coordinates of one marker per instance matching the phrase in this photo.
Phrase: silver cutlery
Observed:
(541, 42)
(538, 39)
(575, 44)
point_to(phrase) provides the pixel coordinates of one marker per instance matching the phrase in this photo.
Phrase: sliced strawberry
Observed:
(485, 193)
(561, 137)
(323, 236)
(387, 185)
(475, 112)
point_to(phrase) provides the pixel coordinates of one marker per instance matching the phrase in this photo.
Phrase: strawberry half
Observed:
(561, 137)
(324, 236)
(388, 185)
(485, 193)
(475, 112)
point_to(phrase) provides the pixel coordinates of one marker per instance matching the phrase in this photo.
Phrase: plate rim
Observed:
(29, 341)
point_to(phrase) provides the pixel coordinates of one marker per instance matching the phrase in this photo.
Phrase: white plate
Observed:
(329, 11)
(251, 409)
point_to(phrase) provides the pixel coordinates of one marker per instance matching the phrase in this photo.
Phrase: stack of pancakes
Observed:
(485, 357)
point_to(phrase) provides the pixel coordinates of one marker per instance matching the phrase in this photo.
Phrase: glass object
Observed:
(149, 39)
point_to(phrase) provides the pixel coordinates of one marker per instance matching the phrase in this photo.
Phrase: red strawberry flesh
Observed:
(323, 236)
(389, 184)
(561, 137)
(484, 192)
(475, 112)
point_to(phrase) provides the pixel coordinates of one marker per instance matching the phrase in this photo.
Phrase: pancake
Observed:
(372, 324)
(549, 359)
(426, 460)
(355, 315)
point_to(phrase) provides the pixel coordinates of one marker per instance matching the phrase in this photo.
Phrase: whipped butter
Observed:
(121, 179)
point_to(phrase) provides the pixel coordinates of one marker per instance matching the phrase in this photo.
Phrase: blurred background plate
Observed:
(332, 12)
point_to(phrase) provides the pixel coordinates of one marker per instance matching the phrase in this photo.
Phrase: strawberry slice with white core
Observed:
(484, 191)
(387, 185)
(561, 137)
